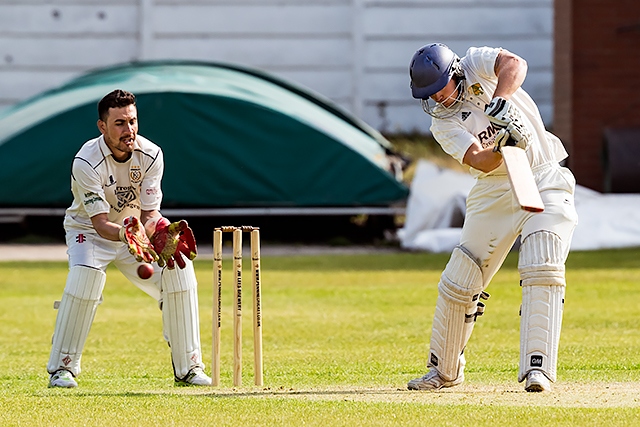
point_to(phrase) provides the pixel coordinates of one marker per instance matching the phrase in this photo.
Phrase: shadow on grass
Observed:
(229, 393)
(617, 395)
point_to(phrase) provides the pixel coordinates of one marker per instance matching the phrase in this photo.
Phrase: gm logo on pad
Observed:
(536, 360)
(434, 360)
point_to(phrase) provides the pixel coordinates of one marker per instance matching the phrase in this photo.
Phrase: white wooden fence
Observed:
(354, 52)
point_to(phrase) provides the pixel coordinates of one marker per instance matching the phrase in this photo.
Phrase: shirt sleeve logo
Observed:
(91, 198)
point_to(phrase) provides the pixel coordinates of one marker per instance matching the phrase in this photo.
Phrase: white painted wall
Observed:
(354, 52)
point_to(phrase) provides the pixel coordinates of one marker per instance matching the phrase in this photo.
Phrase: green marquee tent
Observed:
(233, 137)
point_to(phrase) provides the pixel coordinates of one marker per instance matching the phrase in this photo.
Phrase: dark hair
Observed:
(116, 99)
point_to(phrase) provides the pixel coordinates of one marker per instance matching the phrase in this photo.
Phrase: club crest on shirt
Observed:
(125, 195)
(476, 89)
(135, 174)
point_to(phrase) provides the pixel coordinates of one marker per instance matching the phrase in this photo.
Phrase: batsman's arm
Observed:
(483, 159)
(511, 71)
(522, 181)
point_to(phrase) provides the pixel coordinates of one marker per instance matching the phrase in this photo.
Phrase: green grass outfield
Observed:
(342, 336)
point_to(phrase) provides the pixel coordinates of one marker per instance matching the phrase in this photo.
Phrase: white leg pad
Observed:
(457, 307)
(77, 309)
(180, 318)
(541, 267)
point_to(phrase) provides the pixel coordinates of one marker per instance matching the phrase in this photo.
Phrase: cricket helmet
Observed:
(431, 68)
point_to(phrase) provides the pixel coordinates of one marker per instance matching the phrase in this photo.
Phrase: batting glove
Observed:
(172, 241)
(513, 135)
(505, 117)
(520, 134)
(502, 138)
(500, 112)
(134, 236)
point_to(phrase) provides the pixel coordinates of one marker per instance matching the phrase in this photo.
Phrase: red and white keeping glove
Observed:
(172, 241)
(136, 239)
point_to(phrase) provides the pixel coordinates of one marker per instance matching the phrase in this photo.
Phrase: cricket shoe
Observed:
(195, 377)
(62, 378)
(537, 382)
(433, 381)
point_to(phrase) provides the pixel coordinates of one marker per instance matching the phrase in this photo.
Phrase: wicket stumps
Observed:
(237, 300)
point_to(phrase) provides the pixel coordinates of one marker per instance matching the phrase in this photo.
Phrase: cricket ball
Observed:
(145, 271)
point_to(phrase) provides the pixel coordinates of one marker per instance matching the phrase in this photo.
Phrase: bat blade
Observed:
(522, 180)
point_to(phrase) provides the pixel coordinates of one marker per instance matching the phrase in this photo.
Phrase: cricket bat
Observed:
(521, 178)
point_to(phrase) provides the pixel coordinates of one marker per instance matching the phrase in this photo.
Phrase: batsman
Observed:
(478, 107)
(115, 219)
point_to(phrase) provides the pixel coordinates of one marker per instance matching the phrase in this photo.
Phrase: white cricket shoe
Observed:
(62, 378)
(433, 381)
(196, 377)
(537, 382)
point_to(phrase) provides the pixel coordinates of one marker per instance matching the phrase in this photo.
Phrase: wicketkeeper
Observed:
(115, 218)
(477, 106)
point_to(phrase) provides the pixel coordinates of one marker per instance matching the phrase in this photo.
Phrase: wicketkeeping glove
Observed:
(133, 234)
(172, 241)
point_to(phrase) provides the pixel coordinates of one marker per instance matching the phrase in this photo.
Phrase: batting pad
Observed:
(541, 267)
(180, 318)
(456, 310)
(75, 315)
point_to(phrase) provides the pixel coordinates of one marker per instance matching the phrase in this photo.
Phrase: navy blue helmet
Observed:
(431, 68)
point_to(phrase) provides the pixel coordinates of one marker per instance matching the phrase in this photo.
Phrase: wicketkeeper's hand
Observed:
(172, 241)
(133, 234)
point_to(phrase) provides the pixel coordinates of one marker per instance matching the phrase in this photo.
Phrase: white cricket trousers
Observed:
(494, 219)
(91, 250)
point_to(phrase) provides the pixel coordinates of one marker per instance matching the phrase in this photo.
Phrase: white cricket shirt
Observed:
(101, 184)
(457, 133)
